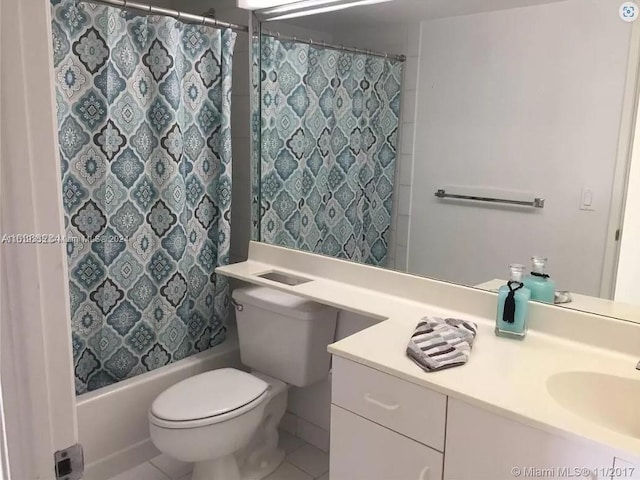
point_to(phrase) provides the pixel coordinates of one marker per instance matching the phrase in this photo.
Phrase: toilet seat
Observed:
(208, 398)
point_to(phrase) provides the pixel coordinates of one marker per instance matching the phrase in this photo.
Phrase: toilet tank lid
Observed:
(281, 302)
(208, 394)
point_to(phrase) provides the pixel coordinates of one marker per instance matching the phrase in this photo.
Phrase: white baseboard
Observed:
(121, 461)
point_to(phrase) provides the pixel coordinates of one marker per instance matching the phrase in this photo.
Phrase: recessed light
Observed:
(310, 7)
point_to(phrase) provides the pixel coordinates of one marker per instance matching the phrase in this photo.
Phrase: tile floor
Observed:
(303, 462)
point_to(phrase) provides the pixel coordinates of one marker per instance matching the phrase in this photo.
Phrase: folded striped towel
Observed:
(439, 343)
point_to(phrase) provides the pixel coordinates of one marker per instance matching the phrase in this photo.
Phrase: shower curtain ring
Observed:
(179, 16)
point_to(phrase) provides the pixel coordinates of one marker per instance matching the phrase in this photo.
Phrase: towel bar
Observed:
(536, 203)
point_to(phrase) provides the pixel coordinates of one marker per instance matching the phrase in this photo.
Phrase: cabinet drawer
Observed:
(402, 406)
(362, 450)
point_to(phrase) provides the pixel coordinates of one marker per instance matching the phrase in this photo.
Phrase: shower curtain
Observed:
(143, 108)
(329, 134)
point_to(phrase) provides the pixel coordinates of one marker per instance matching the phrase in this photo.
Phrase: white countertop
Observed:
(505, 376)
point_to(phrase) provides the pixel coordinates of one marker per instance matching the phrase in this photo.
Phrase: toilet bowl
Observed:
(226, 420)
(262, 455)
(233, 435)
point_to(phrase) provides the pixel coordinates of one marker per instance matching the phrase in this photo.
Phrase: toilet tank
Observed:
(283, 335)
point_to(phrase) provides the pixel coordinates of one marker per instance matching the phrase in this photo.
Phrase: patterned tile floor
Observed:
(303, 462)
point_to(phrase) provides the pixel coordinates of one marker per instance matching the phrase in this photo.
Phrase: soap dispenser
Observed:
(542, 287)
(513, 298)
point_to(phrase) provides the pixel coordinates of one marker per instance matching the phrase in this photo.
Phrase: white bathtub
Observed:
(112, 421)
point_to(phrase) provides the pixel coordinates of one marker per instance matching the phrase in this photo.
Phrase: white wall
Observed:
(241, 141)
(526, 99)
(162, 3)
(284, 28)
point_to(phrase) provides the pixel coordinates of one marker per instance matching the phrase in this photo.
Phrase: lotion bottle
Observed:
(513, 303)
(542, 287)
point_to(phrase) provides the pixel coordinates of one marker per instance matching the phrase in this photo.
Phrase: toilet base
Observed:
(226, 468)
(262, 455)
(267, 466)
(223, 468)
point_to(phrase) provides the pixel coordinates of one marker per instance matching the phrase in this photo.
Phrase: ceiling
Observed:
(405, 11)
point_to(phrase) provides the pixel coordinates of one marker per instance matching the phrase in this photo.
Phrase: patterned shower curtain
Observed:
(329, 134)
(143, 107)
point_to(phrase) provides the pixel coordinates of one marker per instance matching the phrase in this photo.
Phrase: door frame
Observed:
(36, 364)
(622, 167)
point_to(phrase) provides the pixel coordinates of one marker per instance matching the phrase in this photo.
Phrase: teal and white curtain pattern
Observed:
(329, 134)
(143, 107)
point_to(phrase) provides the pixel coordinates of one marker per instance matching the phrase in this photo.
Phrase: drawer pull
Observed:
(424, 474)
(380, 404)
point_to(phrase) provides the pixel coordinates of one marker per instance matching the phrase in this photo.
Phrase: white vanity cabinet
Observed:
(364, 450)
(483, 445)
(386, 428)
(378, 426)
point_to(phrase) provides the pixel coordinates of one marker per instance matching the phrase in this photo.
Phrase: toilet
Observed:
(226, 421)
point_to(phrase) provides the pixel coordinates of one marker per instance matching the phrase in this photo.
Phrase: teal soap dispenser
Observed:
(542, 287)
(513, 298)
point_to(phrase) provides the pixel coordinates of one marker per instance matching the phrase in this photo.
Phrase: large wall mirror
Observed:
(451, 139)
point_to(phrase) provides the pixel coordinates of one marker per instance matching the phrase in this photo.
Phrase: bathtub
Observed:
(112, 421)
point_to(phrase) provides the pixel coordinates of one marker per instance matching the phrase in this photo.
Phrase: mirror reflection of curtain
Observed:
(329, 134)
(143, 107)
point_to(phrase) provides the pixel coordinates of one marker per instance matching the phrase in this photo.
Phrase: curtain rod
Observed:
(180, 16)
(313, 43)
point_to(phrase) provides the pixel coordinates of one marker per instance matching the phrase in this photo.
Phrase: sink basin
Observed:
(285, 278)
(613, 402)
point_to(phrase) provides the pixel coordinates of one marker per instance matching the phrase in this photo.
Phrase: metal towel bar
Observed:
(536, 203)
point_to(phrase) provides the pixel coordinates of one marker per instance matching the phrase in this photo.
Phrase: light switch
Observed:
(586, 199)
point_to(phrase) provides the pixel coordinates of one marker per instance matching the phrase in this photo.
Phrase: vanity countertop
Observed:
(508, 377)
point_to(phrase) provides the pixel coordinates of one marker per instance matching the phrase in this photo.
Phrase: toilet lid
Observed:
(207, 395)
